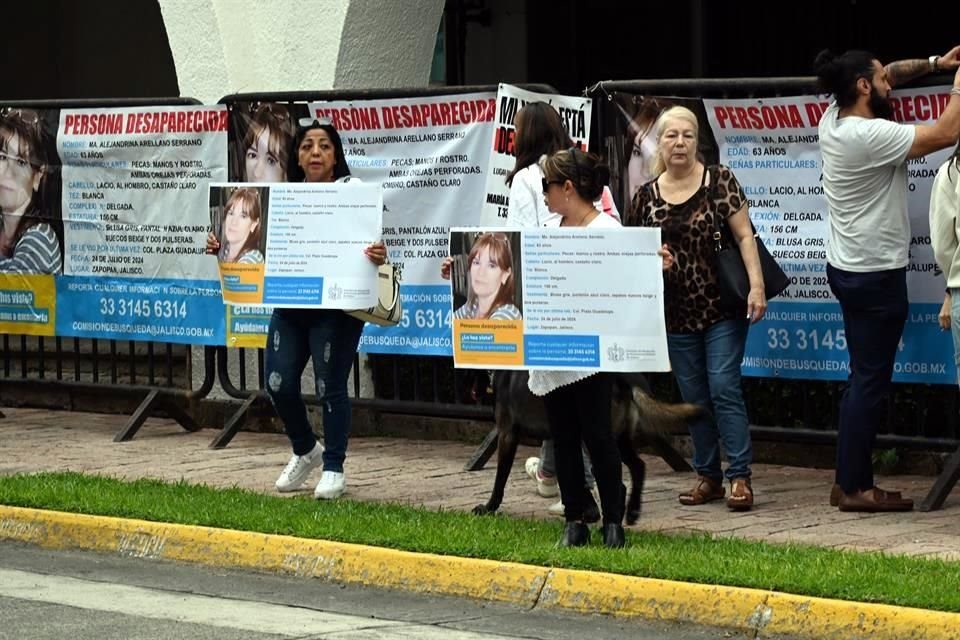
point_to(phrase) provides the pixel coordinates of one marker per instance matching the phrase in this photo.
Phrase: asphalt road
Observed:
(56, 595)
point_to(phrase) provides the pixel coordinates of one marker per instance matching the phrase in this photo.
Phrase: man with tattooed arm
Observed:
(865, 158)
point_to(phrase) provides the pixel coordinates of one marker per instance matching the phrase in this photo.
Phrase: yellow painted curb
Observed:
(332, 561)
(745, 609)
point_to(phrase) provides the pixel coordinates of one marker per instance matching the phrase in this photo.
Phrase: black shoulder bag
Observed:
(732, 280)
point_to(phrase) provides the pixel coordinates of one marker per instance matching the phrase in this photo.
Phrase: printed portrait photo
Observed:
(261, 140)
(238, 218)
(31, 227)
(486, 275)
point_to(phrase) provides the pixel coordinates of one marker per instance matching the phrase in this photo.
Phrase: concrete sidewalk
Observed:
(791, 501)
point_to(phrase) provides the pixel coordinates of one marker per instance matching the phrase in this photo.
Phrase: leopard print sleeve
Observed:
(728, 194)
(638, 208)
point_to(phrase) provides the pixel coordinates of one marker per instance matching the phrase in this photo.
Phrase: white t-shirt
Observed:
(865, 182)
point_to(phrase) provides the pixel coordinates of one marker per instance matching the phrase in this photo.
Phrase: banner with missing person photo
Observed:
(101, 234)
(772, 147)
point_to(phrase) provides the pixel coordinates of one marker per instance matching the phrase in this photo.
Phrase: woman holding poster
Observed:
(242, 228)
(539, 132)
(492, 285)
(29, 235)
(578, 402)
(706, 341)
(328, 336)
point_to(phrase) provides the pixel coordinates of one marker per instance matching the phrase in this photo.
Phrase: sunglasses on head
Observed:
(315, 122)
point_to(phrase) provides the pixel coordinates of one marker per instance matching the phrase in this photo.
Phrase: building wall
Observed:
(231, 46)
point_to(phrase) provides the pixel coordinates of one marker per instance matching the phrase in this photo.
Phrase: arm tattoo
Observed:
(904, 71)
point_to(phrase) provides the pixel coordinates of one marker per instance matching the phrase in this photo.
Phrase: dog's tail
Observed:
(664, 418)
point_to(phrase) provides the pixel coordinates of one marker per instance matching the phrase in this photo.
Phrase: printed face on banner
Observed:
(241, 223)
(316, 156)
(265, 160)
(264, 137)
(488, 289)
(19, 178)
(487, 276)
(241, 220)
(28, 190)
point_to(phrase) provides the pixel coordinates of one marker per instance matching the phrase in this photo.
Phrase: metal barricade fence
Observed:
(918, 416)
(157, 375)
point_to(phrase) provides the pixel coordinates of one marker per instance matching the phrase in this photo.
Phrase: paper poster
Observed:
(544, 299)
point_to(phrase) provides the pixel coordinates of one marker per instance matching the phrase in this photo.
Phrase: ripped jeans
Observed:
(331, 337)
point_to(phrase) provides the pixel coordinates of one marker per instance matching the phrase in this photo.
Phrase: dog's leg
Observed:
(628, 454)
(506, 452)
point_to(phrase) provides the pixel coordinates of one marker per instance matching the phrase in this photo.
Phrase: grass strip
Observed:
(790, 568)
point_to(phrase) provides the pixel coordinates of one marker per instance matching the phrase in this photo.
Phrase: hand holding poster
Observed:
(574, 113)
(297, 244)
(544, 299)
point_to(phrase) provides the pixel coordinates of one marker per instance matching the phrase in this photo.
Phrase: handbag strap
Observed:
(720, 224)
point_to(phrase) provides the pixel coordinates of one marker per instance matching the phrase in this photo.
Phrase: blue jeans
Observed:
(331, 338)
(955, 327)
(875, 310)
(707, 368)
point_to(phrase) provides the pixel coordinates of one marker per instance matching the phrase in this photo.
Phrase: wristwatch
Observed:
(933, 63)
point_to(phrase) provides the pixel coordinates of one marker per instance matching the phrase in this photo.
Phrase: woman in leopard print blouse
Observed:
(706, 341)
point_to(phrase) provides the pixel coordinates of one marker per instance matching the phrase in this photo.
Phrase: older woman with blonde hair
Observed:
(689, 202)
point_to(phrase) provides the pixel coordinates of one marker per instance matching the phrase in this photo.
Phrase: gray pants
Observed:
(548, 463)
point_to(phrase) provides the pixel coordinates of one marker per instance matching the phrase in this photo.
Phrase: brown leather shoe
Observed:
(707, 490)
(741, 495)
(874, 501)
(836, 492)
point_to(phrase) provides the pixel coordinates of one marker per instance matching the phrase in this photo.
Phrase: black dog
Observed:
(637, 420)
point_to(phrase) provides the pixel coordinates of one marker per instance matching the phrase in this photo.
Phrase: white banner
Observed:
(135, 222)
(772, 146)
(430, 156)
(574, 112)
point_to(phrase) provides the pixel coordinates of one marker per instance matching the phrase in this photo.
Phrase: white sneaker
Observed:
(556, 509)
(295, 473)
(546, 485)
(332, 485)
